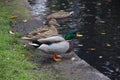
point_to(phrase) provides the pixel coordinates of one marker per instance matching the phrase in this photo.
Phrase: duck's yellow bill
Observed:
(79, 35)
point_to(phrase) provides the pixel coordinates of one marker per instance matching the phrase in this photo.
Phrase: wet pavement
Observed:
(99, 23)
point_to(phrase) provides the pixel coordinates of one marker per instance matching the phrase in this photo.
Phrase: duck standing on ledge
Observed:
(43, 32)
(55, 45)
(59, 15)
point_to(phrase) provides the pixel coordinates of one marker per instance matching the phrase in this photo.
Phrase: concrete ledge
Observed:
(76, 69)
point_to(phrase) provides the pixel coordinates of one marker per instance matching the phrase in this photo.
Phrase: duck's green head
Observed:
(71, 35)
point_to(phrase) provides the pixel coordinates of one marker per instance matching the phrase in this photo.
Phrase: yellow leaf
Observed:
(79, 35)
(11, 32)
(107, 44)
(80, 44)
(91, 49)
(13, 17)
(103, 33)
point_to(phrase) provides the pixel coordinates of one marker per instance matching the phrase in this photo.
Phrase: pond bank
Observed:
(67, 69)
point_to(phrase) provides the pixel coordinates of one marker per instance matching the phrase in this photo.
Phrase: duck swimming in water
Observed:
(55, 45)
(59, 15)
(43, 32)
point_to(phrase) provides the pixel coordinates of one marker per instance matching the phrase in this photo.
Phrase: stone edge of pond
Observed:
(73, 70)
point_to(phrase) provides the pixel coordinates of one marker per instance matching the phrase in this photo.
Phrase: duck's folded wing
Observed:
(52, 39)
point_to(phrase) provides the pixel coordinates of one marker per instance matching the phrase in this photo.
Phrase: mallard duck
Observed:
(55, 45)
(59, 14)
(43, 32)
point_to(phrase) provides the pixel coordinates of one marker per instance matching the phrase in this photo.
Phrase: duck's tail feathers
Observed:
(72, 12)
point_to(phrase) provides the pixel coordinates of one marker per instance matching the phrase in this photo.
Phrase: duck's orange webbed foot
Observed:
(57, 57)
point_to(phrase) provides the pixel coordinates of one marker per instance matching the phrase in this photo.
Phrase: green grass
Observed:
(13, 62)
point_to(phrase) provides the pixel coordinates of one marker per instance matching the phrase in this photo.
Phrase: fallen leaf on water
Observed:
(80, 44)
(91, 49)
(79, 35)
(100, 56)
(107, 44)
(103, 33)
(13, 17)
(102, 21)
(98, 4)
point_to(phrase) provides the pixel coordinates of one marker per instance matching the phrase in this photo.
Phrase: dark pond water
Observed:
(99, 23)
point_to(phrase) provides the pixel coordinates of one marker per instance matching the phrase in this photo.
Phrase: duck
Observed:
(55, 45)
(59, 15)
(43, 32)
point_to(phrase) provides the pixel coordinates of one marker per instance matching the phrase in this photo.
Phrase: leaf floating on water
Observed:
(107, 44)
(53, 5)
(80, 44)
(25, 20)
(100, 56)
(102, 22)
(103, 33)
(11, 32)
(92, 49)
(79, 35)
(13, 17)
(98, 4)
